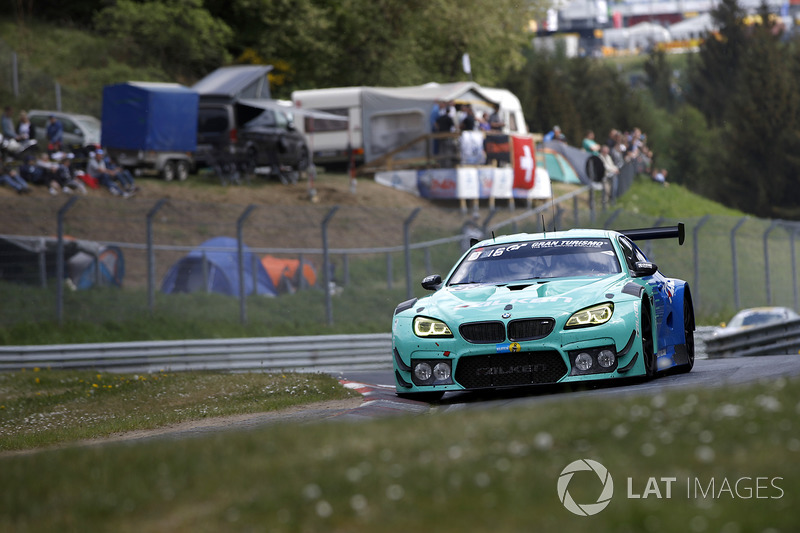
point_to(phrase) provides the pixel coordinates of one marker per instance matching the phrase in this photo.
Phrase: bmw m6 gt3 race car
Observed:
(532, 309)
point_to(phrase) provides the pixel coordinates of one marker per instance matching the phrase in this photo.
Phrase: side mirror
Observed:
(432, 282)
(644, 268)
(290, 126)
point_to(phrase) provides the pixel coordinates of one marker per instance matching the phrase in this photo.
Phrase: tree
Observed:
(660, 80)
(714, 73)
(762, 123)
(178, 34)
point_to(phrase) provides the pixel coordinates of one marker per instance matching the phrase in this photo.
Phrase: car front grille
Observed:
(483, 332)
(530, 329)
(510, 369)
(526, 329)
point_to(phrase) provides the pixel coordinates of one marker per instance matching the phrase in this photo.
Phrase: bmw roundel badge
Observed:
(506, 315)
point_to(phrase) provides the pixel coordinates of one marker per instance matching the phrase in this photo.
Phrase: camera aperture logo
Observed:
(586, 509)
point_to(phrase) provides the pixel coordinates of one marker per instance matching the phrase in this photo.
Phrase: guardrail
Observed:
(774, 339)
(323, 353)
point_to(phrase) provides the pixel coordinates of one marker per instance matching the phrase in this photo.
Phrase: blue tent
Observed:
(219, 272)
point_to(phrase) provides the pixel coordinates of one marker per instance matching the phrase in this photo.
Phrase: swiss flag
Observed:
(524, 157)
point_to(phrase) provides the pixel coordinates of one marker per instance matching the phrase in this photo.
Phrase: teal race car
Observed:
(545, 308)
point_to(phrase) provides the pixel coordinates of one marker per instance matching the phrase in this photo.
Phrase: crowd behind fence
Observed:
(729, 262)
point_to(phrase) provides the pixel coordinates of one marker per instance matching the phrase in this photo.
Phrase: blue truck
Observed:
(151, 127)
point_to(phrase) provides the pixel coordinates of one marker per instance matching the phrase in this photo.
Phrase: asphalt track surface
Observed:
(377, 386)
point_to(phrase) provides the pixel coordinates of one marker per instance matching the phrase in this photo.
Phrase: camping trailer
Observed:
(381, 119)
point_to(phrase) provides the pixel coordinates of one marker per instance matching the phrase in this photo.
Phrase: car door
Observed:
(73, 136)
(662, 289)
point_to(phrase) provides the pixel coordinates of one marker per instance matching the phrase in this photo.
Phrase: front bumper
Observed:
(539, 362)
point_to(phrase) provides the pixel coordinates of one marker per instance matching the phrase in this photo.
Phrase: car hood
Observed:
(550, 298)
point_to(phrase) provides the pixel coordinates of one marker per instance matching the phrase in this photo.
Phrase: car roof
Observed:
(59, 114)
(577, 233)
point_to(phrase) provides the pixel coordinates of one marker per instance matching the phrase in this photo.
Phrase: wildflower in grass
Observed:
(324, 509)
(395, 492)
(543, 440)
(36, 369)
(704, 454)
(37, 380)
(95, 385)
(358, 502)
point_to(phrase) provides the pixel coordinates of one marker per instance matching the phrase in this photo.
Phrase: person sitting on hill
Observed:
(9, 176)
(96, 168)
(65, 174)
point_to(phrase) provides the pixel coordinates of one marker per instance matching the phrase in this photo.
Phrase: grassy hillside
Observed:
(48, 54)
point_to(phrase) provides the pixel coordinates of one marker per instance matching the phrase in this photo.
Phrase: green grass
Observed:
(43, 407)
(474, 470)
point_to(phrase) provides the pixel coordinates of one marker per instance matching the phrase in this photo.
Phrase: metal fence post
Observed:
(151, 256)
(240, 246)
(766, 261)
(60, 260)
(696, 292)
(794, 231)
(407, 246)
(326, 265)
(735, 264)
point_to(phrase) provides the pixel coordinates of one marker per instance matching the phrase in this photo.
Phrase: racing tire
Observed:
(648, 350)
(168, 172)
(688, 331)
(427, 397)
(182, 170)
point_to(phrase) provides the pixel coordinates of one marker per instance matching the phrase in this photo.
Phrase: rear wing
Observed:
(666, 232)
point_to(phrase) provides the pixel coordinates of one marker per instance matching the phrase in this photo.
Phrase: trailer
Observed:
(151, 127)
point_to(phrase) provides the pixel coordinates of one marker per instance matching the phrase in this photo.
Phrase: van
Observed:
(255, 135)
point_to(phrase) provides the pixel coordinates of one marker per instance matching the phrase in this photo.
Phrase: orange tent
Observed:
(285, 273)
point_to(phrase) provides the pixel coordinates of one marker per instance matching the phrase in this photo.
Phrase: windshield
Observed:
(91, 124)
(757, 318)
(550, 258)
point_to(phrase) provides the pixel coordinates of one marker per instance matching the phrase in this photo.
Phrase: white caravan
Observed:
(380, 119)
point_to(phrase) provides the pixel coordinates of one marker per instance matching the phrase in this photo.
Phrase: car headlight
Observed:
(591, 316)
(430, 327)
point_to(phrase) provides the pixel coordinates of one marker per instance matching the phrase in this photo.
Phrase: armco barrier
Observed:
(774, 339)
(323, 353)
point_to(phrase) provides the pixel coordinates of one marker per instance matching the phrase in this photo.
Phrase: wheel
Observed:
(168, 172)
(428, 397)
(182, 170)
(688, 331)
(648, 352)
(304, 161)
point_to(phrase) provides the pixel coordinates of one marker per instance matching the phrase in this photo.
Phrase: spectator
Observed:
(48, 175)
(121, 175)
(25, 130)
(96, 168)
(9, 176)
(483, 122)
(555, 135)
(660, 176)
(8, 124)
(65, 175)
(496, 122)
(55, 134)
(589, 144)
(612, 171)
(469, 122)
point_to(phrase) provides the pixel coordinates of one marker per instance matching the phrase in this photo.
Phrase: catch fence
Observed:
(729, 262)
